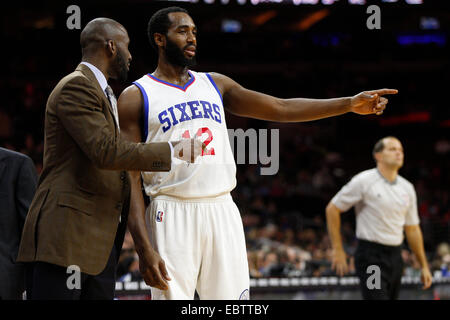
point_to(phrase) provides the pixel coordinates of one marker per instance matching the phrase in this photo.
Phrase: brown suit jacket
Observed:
(75, 212)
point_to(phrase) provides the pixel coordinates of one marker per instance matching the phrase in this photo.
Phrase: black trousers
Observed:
(390, 263)
(46, 281)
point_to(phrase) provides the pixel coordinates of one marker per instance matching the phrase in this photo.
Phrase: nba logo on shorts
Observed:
(159, 216)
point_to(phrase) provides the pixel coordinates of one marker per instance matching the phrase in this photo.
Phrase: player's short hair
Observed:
(160, 23)
(379, 146)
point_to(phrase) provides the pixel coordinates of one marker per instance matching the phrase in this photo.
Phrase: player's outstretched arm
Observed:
(151, 265)
(248, 103)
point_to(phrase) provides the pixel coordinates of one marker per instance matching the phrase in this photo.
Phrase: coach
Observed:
(79, 213)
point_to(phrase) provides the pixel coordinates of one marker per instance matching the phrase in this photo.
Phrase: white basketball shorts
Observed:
(202, 243)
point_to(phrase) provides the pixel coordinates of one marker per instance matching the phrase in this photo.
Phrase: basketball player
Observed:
(195, 235)
(385, 205)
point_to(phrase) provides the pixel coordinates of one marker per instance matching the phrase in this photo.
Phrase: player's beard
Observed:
(120, 66)
(176, 56)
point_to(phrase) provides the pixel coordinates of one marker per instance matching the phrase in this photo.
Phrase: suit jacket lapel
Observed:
(88, 73)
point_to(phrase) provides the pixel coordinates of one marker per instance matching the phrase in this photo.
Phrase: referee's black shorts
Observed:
(390, 263)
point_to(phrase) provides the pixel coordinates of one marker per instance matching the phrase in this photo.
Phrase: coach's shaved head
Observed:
(98, 31)
(104, 42)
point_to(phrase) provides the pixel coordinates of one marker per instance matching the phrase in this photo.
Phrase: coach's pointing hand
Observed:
(370, 102)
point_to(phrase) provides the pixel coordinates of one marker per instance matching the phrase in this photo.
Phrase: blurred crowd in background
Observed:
(284, 214)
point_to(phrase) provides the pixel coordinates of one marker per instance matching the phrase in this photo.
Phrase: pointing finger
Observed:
(383, 91)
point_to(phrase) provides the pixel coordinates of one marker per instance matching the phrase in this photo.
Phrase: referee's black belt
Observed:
(382, 247)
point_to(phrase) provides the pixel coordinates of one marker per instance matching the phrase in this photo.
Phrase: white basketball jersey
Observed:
(172, 113)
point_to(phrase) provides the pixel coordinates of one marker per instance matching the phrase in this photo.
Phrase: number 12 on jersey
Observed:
(199, 133)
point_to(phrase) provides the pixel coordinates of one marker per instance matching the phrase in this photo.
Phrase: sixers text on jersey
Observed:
(179, 114)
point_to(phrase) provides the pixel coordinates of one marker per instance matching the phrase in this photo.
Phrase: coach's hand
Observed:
(188, 149)
(370, 102)
(153, 270)
(339, 263)
(426, 278)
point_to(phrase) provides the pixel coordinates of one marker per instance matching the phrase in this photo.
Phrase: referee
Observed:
(385, 205)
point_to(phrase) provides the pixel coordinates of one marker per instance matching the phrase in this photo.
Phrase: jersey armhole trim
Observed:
(144, 95)
(215, 86)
